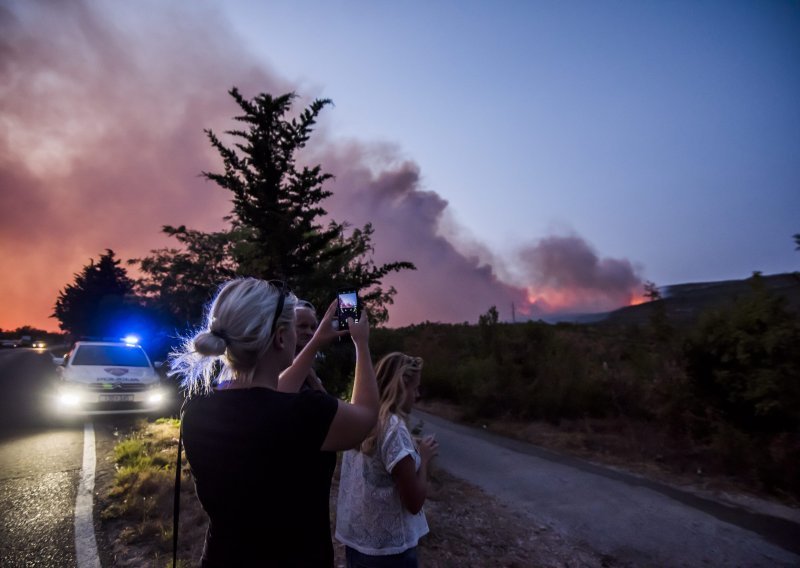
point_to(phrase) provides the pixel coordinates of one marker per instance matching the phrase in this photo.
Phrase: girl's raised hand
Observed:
(359, 330)
(326, 332)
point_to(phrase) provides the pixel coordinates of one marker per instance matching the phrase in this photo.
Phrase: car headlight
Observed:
(155, 397)
(69, 398)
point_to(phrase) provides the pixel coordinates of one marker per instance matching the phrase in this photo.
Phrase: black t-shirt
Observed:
(255, 457)
(325, 468)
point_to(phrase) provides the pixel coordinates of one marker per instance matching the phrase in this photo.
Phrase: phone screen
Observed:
(348, 306)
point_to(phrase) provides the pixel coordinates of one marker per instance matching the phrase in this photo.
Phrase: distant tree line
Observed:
(30, 331)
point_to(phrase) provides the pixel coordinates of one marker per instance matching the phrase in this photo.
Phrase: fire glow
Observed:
(637, 299)
(552, 300)
(576, 300)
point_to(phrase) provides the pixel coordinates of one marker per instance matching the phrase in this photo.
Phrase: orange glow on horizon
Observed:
(552, 300)
(566, 300)
(638, 299)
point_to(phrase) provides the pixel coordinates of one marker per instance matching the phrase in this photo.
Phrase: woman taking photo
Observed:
(383, 484)
(253, 448)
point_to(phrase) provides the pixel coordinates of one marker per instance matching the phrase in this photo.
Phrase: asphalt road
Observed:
(41, 469)
(629, 520)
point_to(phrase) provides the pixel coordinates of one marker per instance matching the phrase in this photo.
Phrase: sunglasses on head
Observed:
(281, 300)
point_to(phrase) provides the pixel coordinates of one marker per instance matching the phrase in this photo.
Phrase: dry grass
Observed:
(136, 509)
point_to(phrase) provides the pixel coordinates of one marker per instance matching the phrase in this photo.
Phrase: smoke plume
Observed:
(566, 275)
(373, 185)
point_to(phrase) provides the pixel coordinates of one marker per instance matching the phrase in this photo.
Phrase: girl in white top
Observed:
(383, 483)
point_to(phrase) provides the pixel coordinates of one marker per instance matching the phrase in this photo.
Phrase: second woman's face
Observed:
(412, 391)
(289, 333)
(306, 324)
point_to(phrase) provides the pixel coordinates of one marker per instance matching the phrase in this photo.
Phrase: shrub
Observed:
(744, 362)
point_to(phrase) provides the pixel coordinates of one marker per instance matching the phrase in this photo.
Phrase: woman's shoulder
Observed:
(231, 399)
(395, 423)
(314, 396)
(254, 401)
(315, 401)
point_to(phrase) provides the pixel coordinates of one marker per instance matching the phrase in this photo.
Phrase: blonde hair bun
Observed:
(210, 345)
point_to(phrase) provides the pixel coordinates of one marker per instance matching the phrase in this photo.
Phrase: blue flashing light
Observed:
(131, 340)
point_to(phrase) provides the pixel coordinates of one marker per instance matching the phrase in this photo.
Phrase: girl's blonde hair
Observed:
(393, 373)
(238, 331)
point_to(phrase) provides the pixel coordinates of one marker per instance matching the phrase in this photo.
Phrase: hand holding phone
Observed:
(347, 307)
(359, 330)
(327, 330)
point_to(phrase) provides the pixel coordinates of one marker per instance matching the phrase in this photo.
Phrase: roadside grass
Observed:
(138, 507)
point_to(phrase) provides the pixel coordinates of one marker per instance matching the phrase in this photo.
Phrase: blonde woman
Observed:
(383, 483)
(252, 446)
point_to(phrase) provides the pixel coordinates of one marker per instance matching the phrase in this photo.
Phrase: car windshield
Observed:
(119, 355)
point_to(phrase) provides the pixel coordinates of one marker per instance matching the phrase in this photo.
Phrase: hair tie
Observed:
(222, 335)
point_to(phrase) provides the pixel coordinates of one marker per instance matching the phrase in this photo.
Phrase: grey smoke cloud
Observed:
(556, 274)
(564, 273)
(372, 185)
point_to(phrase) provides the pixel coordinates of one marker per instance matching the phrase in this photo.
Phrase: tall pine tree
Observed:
(276, 230)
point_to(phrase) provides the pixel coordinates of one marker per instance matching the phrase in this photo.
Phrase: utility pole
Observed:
(513, 314)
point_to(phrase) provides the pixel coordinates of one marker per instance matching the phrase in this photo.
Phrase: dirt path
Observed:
(627, 519)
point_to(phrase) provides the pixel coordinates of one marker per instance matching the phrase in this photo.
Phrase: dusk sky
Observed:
(551, 154)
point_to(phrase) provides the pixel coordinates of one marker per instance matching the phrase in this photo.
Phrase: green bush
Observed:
(744, 362)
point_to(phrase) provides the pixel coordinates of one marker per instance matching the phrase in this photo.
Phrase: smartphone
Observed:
(348, 306)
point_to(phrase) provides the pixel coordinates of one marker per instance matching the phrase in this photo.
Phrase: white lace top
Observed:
(369, 514)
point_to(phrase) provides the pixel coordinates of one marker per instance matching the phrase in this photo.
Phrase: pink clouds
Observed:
(102, 141)
(102, 144)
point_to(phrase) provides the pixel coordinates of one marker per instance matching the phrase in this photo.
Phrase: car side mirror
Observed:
(58, 361)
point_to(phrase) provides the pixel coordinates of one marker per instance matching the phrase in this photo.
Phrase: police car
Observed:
(107, 377)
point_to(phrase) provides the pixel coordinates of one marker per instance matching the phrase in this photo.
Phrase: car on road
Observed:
(39, 344)
(102, 377)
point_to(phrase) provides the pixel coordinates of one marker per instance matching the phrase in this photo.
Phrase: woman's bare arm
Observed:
(355, 420)
(291, 379)
(412, 483)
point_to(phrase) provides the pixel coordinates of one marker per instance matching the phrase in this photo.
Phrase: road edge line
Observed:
(85, 540)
